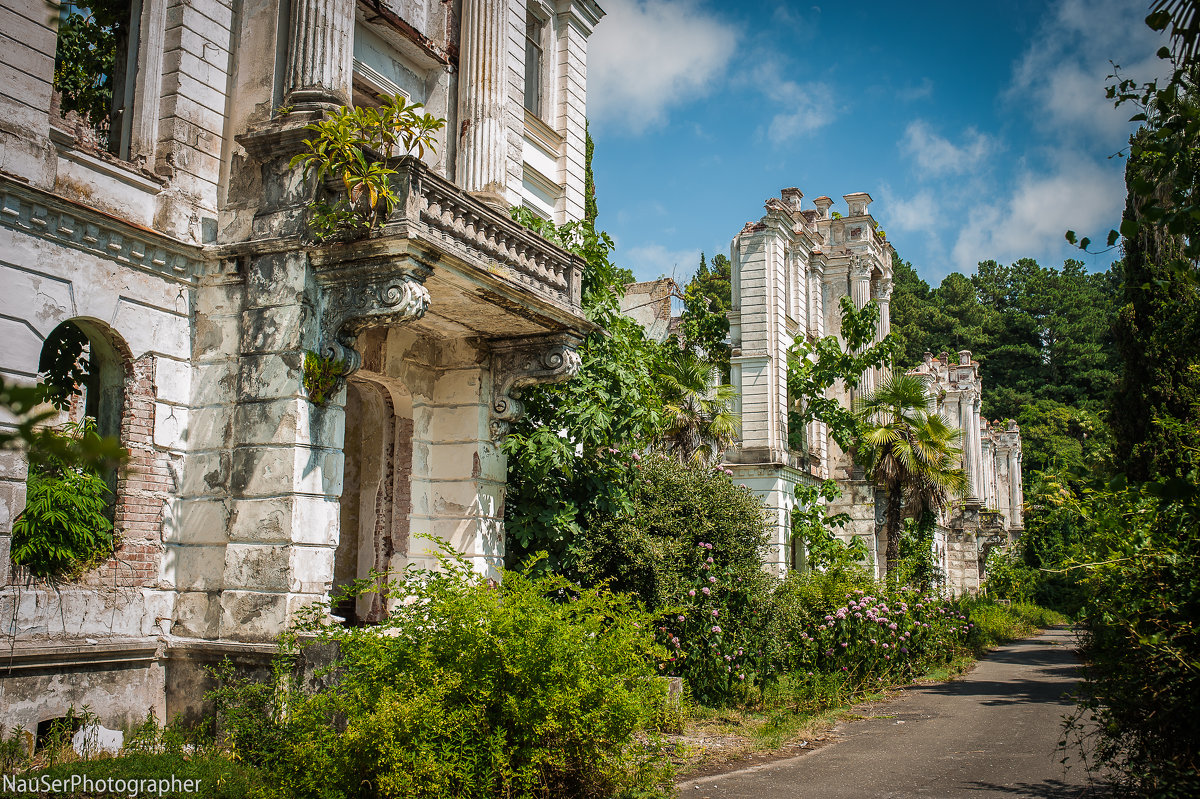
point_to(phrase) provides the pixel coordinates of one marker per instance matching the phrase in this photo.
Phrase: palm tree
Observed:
(910, 452)
(699, 424)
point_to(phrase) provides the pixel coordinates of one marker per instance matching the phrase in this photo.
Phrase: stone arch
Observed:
(376, 489)
(102, 394)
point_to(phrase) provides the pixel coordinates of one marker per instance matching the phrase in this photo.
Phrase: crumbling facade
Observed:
(991, 513)
(790, 271)
(175, 239)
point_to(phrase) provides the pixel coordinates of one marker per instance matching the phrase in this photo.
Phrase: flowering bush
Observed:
(716, 630)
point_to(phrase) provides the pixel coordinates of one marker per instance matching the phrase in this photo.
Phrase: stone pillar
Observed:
(816, 299)
(860, 294)
(320, 53)
(882, 293)
(481, 100)
(966, 407)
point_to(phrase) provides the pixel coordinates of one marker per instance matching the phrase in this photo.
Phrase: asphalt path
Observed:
(992, 733)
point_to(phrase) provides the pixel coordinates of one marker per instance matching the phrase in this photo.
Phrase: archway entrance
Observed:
(376, 495)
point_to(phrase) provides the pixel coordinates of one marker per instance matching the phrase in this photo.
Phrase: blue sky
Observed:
(981, 130)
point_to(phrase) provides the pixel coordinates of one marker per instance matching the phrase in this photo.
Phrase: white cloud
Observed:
(649, 55)
(915, 92)
(1080, 195)
(917, 213)
(651, 261)
(1062, 75)
(807, 106)
(936, 155)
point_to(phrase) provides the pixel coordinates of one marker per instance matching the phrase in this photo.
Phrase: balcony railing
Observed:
(434, 209)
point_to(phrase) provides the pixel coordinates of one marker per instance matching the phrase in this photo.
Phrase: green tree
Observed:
(909, 451)
(572, 454)
(1156, 406)
(707, 300)
(698, 423)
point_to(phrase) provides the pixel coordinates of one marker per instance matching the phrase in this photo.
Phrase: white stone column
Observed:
(321, 53)
(882, 292)
(977, 470)
(816, 300)
(965, 407)
(860, 295)
(481, 99)
(1018, 492)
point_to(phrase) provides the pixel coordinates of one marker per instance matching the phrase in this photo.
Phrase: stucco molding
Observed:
(348, 309)
(528, 362)
(33, 212)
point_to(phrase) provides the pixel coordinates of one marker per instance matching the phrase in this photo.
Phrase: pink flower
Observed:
(872, 640)
(843, 645)
(691, 592)
(712, 579)
(716, 612)
(716, 629)
(741, 676)
(710, 560)
(705, 590)
(885, 646)
(681, 618)
(637, 457)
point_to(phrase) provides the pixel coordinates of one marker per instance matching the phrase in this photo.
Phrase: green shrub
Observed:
(65, 528)
(652, 550)
(533, 689)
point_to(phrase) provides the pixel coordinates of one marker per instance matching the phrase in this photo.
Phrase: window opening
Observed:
(95, 66)
(534, 30)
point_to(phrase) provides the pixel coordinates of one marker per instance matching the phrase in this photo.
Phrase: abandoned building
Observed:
(790, 270)
(170, 229)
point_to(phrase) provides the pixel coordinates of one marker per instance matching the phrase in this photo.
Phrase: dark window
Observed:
(534, 30)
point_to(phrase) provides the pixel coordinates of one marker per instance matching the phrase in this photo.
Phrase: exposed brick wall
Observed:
(143, 487)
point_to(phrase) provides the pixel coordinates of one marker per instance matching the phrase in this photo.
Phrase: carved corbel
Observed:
(350, 308)
(528, 362)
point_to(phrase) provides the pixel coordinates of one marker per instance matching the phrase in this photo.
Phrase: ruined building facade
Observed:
(790, 271)
(174, 237)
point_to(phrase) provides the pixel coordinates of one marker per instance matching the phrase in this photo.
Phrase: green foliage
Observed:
(63, 366)
(994, 624)
(648, 549)
(707, 300)
(65, 528)
(812, 529)
(355, 145)
(321, 376)
(1139, 633)
(814, 368)
(697, 421)
(1039, 333)
(909, 451)
(590, 209)
(572, 455)
(45, 446)
(86, 57)
(828, 623)
(533, 689)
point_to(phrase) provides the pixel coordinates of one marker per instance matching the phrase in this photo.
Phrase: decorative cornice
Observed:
(527, 362)
(37, 213)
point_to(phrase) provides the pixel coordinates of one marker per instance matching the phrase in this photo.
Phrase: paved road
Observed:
(993, 733)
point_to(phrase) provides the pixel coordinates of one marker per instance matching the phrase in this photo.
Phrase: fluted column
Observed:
(320, 53)
(481, 98)
(860, 282)
(860, 295)
(966, 406)
(883, 298)
(977, 470)
(1017, 500)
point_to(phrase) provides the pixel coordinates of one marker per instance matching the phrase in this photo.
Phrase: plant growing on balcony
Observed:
(356, 145)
